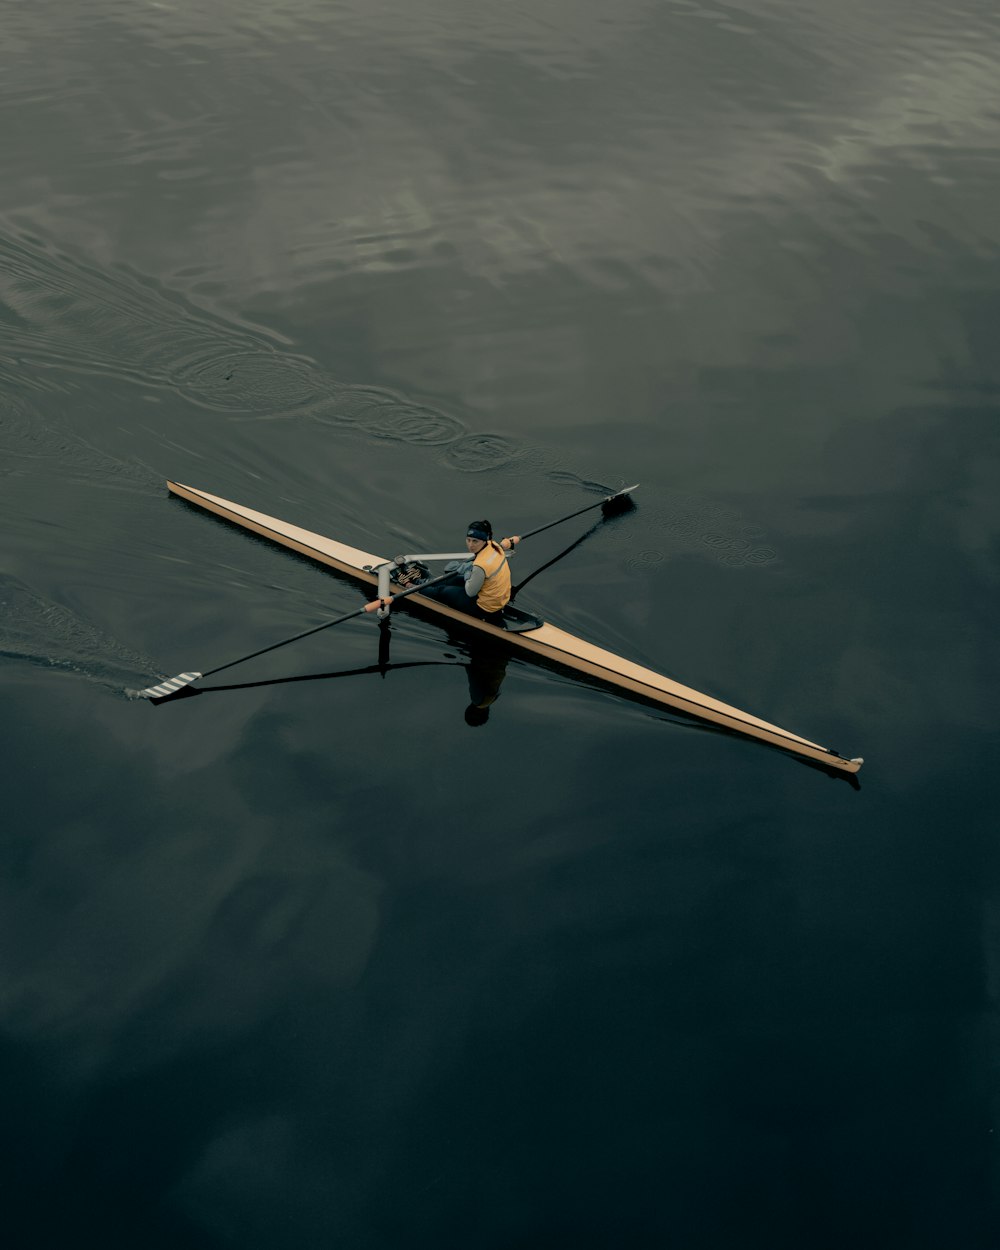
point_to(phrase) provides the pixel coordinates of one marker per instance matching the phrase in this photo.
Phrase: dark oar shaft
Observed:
(171, 686)
(284, 642)
(316, 628)
(580, 511)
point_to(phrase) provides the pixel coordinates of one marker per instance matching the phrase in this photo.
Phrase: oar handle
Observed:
(412, 590)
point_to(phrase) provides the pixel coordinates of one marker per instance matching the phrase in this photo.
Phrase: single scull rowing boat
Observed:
(526, 633)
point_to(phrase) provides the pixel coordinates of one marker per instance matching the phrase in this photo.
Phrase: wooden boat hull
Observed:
(547, 641)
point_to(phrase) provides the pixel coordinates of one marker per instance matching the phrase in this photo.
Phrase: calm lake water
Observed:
(316, 963)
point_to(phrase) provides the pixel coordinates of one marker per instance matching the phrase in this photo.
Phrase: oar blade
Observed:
(620, 502)
(169, 687)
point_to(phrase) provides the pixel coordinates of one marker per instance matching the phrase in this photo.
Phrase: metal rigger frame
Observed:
(384, 571)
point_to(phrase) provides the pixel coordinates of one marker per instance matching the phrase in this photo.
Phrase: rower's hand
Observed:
(378, 603)
(509, 544)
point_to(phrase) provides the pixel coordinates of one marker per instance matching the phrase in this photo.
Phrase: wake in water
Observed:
(31, 446)
(35, 630)
(68, 316)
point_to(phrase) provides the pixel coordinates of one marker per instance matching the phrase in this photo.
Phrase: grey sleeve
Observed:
(474, 582)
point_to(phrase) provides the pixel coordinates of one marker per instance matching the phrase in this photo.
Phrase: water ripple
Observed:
(699, 525)
(71, 315)
(259, 381)
(31, 446)
(36, 630)
(414, 423)
(476, 453)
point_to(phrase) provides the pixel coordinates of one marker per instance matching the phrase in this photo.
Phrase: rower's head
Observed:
(477, 535)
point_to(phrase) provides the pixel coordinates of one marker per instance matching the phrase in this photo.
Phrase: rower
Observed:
(481, 585)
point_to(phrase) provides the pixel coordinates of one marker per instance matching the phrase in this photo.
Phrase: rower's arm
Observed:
(509, 544)
(474, 582)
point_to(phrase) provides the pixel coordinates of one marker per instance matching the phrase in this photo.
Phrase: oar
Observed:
(164, 688)
(610, 506)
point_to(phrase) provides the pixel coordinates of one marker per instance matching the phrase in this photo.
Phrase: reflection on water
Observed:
(487, 667)
(485, 663)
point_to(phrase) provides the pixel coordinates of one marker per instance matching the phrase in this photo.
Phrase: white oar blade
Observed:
(620, 501)
(169, 687)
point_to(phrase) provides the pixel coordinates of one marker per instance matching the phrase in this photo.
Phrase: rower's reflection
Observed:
(486, 669)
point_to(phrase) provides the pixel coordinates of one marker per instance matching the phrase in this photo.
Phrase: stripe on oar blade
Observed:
(168, 687)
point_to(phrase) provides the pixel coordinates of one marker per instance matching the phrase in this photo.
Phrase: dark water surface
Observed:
(316, 964)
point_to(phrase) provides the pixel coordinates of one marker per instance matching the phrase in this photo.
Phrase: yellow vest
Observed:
(495, 593)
